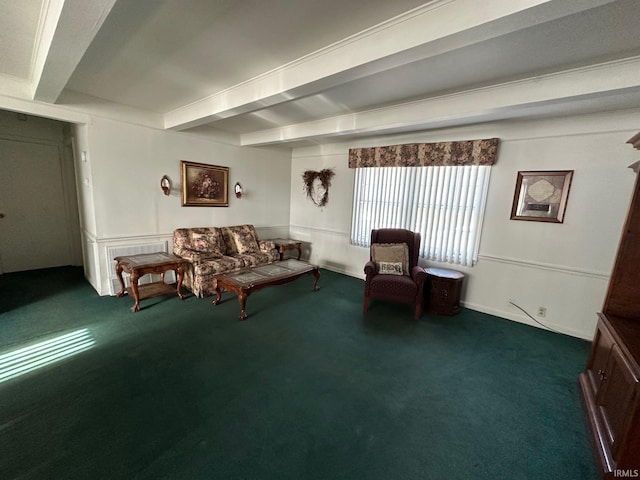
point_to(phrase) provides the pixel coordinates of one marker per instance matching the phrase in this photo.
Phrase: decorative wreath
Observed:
(325, 177)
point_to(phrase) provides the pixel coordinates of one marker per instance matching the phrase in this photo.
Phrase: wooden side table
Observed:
(138, 265)
(445, 288)
(284, 244)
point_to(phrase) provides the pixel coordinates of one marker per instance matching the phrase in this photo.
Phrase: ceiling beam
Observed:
(432, 29)
(473, 106)
(67, 29)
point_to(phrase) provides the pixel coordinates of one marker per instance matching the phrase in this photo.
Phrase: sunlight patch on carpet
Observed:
(28, 359)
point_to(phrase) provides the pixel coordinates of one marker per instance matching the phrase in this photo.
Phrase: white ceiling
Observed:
(302, 71)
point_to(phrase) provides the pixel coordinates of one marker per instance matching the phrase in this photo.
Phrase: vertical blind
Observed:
(445, 204)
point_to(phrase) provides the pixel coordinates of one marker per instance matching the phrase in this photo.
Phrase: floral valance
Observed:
(465, 152)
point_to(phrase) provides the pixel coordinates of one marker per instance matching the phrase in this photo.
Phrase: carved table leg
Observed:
(122, 291)
(316, 274)
(242, 299)
(134, 288)
(216, 287)
(180, 274)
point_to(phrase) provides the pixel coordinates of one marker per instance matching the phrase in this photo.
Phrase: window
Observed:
(445, 204)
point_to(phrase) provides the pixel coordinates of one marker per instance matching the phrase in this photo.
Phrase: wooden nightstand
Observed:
(444, 290)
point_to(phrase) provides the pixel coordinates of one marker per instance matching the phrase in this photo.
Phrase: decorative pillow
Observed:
(246, 241)
(210, 242)
(390, 268)
(392, 253)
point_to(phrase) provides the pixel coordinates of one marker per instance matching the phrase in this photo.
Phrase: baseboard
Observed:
(527, 321)
(343, 271)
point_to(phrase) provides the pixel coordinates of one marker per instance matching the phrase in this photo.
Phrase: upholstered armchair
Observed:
(392, 272)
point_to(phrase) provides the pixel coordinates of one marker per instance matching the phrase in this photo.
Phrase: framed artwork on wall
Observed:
(204, 185)
(541, 196)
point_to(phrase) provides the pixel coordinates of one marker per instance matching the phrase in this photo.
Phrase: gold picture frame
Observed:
(541, 196)
(204, 185)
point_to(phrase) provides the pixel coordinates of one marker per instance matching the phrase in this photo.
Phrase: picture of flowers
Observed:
(204, 185)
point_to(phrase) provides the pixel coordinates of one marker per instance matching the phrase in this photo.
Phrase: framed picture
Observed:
(204, 185)
(541, 196)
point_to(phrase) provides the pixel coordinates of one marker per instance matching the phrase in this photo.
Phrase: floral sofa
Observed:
(209, 251)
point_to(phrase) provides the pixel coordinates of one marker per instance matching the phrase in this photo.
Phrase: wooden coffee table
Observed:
(138, 265)
(246, 281)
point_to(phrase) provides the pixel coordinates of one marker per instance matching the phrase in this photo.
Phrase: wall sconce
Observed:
(238, 190)
(165, 185)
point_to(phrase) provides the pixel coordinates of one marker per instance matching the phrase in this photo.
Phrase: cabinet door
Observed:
(616, 399)
(600, 352)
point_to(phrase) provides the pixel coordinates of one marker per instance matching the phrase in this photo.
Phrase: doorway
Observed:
(39, 223)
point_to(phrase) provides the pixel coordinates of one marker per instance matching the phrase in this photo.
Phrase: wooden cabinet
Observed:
(611, 396)
(610, 385)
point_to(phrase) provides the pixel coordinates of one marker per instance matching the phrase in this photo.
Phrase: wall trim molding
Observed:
(320, 230)
(136, 238)
(163, 235)
(545, 266)
(565, 269)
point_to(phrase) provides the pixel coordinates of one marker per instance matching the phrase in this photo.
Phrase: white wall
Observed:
(563, 267)
(128, 162)
(124, 165)
(126, 153)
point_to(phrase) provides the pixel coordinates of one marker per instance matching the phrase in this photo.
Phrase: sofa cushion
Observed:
(196, 257)
(266, 246)
(207, 241)
(254, 259)
(229, 238)
(218, 265)
(246, 241)
(392, 253)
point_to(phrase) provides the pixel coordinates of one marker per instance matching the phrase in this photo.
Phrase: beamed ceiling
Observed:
(298, 72)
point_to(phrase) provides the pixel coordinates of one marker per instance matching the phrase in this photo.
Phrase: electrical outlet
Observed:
(542, 311)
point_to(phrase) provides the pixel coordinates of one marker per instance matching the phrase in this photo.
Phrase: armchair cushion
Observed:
(391, 268)
(394, 287)
(391, 253)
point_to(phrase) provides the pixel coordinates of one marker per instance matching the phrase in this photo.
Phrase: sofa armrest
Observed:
(419, 274)
(194, 256)
(370, 269)
(266, 246)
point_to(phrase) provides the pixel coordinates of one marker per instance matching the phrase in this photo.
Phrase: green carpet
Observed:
(306, 388)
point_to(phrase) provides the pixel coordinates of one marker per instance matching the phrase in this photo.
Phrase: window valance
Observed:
(465, 152)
